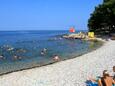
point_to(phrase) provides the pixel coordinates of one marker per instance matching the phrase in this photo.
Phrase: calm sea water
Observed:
(22, 49)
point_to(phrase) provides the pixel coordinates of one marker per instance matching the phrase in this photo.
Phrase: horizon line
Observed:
(45, 30)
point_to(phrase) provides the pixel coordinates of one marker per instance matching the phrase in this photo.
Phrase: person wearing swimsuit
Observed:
(106, 80)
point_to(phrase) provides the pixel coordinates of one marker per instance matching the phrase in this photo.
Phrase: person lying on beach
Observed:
(106, 80)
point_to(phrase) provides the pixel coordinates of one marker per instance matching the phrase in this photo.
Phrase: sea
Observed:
(21, 50)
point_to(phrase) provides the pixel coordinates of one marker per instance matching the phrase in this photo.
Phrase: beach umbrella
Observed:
(72, 30)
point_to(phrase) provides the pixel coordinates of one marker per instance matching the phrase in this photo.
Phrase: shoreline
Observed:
(53, 62)
(72, 72)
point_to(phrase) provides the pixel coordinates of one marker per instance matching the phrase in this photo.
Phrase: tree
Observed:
(102, 20)
(106, 0)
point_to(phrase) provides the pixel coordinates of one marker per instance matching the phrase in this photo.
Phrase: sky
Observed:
(45, 14)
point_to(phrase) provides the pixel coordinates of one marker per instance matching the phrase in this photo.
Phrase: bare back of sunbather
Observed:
(108, 81)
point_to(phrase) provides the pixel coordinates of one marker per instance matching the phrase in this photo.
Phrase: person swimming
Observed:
(44, 51)
(15, 57)
(2, 57)
(56, 58)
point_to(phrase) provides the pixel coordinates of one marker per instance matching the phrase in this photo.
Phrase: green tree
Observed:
(106, 0)
(102, 20)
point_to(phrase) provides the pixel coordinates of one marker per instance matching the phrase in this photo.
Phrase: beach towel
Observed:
(90, 83)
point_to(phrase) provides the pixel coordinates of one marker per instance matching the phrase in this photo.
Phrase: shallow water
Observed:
(22, 49)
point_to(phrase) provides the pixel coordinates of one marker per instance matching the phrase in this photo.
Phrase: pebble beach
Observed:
(72, 72)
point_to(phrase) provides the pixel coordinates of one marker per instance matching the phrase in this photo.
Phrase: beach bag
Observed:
(90, 83)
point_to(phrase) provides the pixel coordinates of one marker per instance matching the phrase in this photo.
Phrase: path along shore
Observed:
(72, 72)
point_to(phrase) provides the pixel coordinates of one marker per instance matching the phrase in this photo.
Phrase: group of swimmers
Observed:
(11, 50)
(105, 80)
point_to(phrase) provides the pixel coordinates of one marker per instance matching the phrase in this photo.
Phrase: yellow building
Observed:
(91, 34)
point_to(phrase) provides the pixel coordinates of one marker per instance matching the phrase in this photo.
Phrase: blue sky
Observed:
(45, 14)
